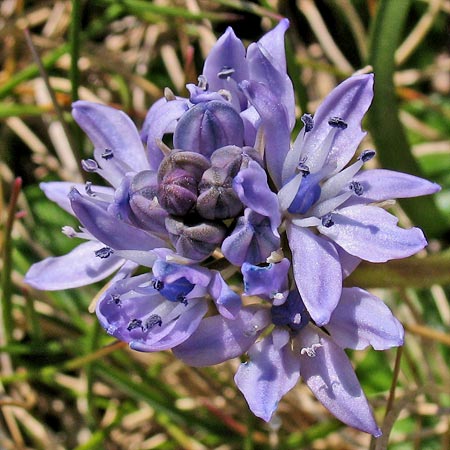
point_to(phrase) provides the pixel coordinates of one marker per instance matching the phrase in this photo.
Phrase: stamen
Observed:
(367, 155)
(89, 165)
(135, 323)
(69, 231)
(308, 121)
(357, 188)
(337, 122)
(88, 189)
(303, 168)
(225, 72)
(157, 284)
(327, 221)
(104, 252)
(310, 351)
(152, 321)
(226, 94)
(115, 298)
(203, 82)
(107, 154)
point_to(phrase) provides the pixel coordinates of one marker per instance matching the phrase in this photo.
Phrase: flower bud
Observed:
(207, 126)
(195, 240)
(235, 158)
(217, 199)
(146, 210)
(191, 162)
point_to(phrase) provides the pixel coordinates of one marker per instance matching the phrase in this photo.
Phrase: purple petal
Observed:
(227, 301)
(269, 282)
(330, 376)
(218, 339)
(251, 186)
(79, 267)
(276, 125)
(267, 64)
(349, 101)
(381, 184)
(252, 240)
(109, 128)
(227, 53)
(372, 234)
(161, 119)
(317, 272)
(58, 192)
(110, 230)
(270, 373)
(147, 322)
(348, 262)
(361, 319)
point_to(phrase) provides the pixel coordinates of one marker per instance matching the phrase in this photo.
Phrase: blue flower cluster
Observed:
(236, 195)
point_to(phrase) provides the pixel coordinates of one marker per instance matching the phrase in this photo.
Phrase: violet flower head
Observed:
(237, 194)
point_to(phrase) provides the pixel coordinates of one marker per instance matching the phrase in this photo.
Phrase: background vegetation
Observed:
(64, 384)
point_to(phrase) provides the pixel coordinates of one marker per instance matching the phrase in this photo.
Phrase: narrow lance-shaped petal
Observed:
(381, 184)
(372, 234)
(79, 267)
(271, 371)
(218, 339)
(110, 230)
(317, 272)
(276, 126)
(327, 371)
(114, 136)
(361, 319)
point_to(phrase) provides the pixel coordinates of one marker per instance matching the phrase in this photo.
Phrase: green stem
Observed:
(7, 320)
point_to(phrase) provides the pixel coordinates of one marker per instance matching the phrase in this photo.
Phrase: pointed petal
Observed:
(109, 128)
(275, 121)
(227, 301)
(227, 53)
(269, 374)
(349, 101)
(381, 184)
(110, 230)
(330, 376)
(218, 339)
(317, 272)
(58, 192)
(79, 267)
(251, 186)
(361, 319)
(161, 119)
(372, 234)
(267, 64)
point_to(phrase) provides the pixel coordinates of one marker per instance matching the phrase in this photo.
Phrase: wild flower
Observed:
(234, 195)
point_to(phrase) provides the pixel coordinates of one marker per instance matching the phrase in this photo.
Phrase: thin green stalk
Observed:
(7, 320)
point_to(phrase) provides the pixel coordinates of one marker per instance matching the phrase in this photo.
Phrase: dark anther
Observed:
(367, 155)
(157, 284)
(337, 122)
(225, 72)
(302, 167)
(356, 187)
(107, 154)
(203, 82)
(182, 299)
(152, 321)
(308, 121)
(115, 298)
(327, 221)
(89, 165)
(104, 252)
(135, 323)
(88, 189)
